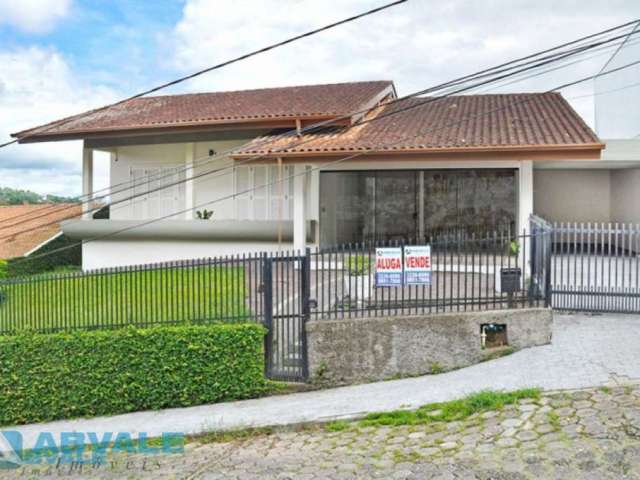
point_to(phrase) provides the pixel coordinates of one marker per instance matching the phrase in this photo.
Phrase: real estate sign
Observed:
(388, 267)
(417, 265)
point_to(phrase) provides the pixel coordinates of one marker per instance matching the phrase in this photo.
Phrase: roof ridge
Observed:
(265, 89)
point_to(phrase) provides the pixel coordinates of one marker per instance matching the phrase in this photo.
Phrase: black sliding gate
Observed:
(595, 267)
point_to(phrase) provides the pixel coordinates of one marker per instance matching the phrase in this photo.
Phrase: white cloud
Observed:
(417, 44)
(33, 16)
(37, 86)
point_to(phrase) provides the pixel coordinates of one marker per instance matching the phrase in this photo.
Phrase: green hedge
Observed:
(46, 377)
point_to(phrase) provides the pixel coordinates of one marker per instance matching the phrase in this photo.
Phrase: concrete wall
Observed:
(572, 195)
(368, 349)
(114, 253)
(625, 195)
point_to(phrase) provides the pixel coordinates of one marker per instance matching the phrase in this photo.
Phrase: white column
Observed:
(525, 210)
(525, 194)
(300, 181)
(189, 195)
(87, 182)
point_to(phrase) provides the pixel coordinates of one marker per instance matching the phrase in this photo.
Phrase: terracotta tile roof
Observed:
(20, 244)
(305, 102)
(457, 122)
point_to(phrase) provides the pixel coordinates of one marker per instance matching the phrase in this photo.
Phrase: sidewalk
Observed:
(586, 351)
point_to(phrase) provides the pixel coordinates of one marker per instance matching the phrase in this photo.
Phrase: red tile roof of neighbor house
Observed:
(203, 109)
(39, 230)
(502, 121)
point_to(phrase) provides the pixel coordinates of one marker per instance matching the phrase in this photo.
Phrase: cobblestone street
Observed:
(586, 434)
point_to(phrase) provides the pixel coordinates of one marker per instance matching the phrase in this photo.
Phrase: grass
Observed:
(143, 297)
(450, 411)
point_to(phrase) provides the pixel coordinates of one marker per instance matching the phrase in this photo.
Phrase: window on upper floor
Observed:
(150, 200)
(264, 192)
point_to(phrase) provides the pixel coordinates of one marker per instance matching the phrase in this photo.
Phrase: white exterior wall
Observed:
(625, 195)
(124, 158)
(117, 253)
(206, 188)
(111, 253)
(573, 195)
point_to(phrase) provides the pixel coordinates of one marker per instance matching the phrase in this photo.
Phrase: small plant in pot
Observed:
(357, 281)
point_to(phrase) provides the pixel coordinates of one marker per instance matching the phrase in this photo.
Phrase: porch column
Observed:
(87, 182)
(300, 187)
(525, 210)
(525, 195)
(189, 154)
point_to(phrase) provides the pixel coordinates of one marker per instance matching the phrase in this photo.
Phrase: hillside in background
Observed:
(12, 196)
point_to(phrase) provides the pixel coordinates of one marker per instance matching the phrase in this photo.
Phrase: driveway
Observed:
(587, 351)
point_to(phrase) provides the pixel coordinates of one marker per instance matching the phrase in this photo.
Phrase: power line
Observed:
(602, 51)
(553, 58)
(540, 62)
(428, 100)
(597, 94)
(93, 197)
(328, 164)
(620, 47)
(212, 68)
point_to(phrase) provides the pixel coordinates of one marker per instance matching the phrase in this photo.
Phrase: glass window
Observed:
(402, 205)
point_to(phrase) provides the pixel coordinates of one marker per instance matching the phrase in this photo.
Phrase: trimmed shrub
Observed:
(35, 264)
(46, 377)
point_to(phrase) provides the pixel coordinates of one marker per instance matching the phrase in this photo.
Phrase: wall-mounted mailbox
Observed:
(510, 279)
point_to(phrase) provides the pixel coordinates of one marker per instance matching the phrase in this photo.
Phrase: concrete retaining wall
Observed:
(368, 349)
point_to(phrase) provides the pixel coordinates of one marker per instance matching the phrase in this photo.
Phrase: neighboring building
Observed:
(463, 162)
(607, 190)
(40, 224)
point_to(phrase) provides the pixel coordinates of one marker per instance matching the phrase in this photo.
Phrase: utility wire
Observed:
(328, 164)
(48, 127)
(620, 47)
(551, 59)
(428, 100)
(605, 92)
(93, 197)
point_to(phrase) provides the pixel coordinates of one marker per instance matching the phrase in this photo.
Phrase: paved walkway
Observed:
(587, 434)
(586, 351)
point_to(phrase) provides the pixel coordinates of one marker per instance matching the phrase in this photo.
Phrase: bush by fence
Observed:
(45, 377)
(36, 263)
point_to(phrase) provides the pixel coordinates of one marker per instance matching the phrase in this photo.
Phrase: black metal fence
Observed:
(284, 290)
(470, 273)
(595, 267)
(195, 291)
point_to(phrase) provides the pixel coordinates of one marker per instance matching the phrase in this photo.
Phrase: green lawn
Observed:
(113, 299)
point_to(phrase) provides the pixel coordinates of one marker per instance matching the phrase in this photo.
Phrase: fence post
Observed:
(547, 267)
(267, 293)
(305, 289)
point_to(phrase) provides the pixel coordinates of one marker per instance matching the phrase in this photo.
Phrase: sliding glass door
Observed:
(388, 205)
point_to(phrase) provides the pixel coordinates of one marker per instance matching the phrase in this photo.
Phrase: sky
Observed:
(61, 57)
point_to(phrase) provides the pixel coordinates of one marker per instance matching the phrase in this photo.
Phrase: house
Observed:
(412, 167)
(29, 229)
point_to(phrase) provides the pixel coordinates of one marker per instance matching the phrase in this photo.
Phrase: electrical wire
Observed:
(482, 74)
(319, 167)
(92, 197)
(48, 127)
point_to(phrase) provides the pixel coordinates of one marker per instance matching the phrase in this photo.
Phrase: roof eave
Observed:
(582, 147)
(140, 130)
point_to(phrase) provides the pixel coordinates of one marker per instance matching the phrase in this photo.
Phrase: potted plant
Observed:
(357, 282)
(204, 214)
